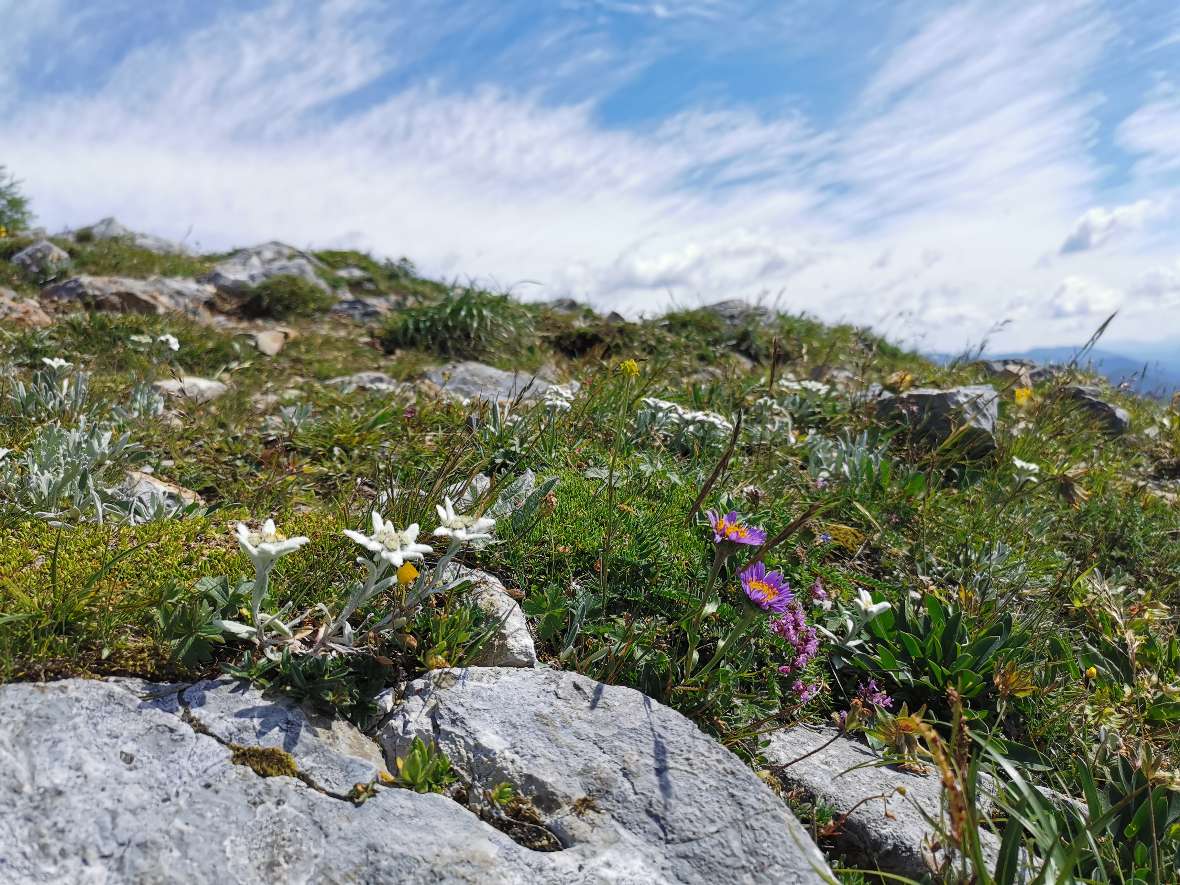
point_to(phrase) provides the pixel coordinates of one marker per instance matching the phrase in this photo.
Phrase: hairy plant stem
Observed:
(740, 627)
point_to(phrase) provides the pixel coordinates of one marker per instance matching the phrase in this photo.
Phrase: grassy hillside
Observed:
(1031, 593)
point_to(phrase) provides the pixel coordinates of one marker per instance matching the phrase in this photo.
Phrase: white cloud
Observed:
(1097, 226)
(1152, 133)
(1080, 298)
(1158, 287)
(919, 211)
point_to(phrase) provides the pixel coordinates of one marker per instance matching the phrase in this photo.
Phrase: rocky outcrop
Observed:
(1114, 420)
(111, 782)
(21, 313)
(110, 229)
(630, 787)
(884, 829)
(156, 295)
(932, 416)
(736, 312)
(124, 781)
(199, 390)
(247, 268)
(471, 380)
(41, 259)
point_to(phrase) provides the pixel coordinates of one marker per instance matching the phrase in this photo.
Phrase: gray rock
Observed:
(510, 643)
(352, 274)
(41, 259)
(1022, 372)
(146, 489)
(247, 268)
(633, 789)
(375, 381)
(156, 295)
(1113, 419)
(270, 342)
(568, 305)
(105, 782)
(332, 752)
(511, 496)
(933, 415)
(363, 308)
(110, 229)
(471, 380)
(901, 843)
(21, 313)
(200, 390)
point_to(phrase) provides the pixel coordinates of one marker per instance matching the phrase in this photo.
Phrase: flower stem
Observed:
(740, 627)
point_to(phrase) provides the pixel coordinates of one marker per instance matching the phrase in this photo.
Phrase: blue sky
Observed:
(932, 169)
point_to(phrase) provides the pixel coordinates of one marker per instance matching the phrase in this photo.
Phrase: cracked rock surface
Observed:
(471, 380)
(630, 786)
(331, 752)
(126, 781)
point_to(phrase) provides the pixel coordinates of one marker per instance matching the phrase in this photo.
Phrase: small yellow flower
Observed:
(436, 662)
(1023, 396)
(630, 368)
(900, 380)
(3, 231)
(1091, 672)
(406, 574)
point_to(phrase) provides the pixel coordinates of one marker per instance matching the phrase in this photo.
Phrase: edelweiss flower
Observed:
(868, 608)
(461, 528)
(1025, 466)
(171, 341)
(265, 546)
(56, 363)
(391, 545)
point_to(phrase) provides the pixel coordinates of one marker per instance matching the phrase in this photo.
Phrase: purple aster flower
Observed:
(767, 590)
(874, 696)
(825, 538)
(729, 527)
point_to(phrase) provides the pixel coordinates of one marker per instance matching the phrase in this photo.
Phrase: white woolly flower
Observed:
(461, 528)
(391, 545)
(56, 363)
(1026, 470)
(868, 609)
(266, 545)
(171, 341)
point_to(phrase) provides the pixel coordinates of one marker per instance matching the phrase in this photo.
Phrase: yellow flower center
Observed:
(769, 592)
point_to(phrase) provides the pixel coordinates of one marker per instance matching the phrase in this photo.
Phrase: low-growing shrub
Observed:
(287, 296)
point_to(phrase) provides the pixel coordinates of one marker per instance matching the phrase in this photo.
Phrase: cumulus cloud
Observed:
(1097, 226)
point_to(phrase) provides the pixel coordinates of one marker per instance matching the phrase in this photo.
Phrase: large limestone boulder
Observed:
(471, 380)
(932, 416)
(1113, 419)
(633, 790)
(247, 268)
(156, 295)
(41, 259)
(849, 778)
(21, 313)
(110, 229)
(118, 783)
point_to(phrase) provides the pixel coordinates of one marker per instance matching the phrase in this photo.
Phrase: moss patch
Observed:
(265, 761)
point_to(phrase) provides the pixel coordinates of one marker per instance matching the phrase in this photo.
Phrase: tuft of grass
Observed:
(122, 258)
(466, 323)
